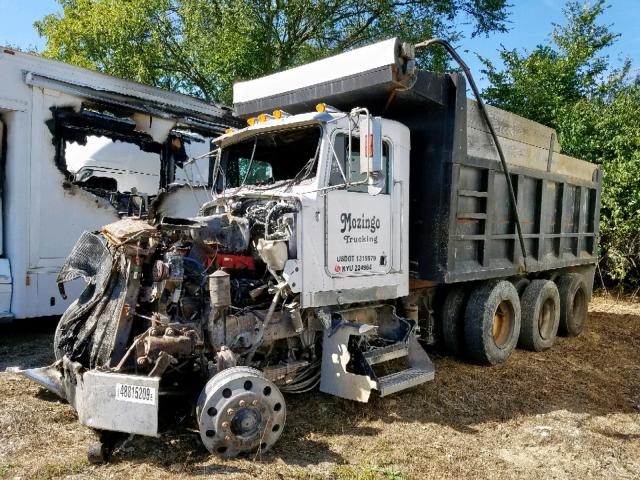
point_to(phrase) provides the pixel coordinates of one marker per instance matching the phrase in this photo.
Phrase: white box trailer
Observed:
(53, 116)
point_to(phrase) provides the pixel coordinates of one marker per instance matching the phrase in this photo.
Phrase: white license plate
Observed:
(135, 393)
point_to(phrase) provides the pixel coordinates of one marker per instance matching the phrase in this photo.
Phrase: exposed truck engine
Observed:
(201, 296)
(338, 246)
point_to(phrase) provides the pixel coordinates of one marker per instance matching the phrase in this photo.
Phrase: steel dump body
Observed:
(461, 222)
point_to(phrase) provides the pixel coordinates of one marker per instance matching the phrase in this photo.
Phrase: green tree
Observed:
(202, 46)
(570, 85)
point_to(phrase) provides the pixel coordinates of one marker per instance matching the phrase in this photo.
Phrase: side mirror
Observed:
(371, 145)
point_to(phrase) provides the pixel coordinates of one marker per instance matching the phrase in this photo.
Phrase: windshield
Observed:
(272, 157)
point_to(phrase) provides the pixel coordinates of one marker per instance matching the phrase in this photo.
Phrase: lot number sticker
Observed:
(135, 394)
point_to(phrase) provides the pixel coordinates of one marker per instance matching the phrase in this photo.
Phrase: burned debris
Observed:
(105, 152)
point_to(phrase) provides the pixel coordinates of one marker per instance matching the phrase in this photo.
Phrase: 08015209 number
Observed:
(135, 393)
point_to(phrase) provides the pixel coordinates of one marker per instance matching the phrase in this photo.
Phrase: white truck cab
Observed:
(353, 249)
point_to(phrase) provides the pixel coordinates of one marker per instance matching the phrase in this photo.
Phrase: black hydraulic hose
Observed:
(476, 93)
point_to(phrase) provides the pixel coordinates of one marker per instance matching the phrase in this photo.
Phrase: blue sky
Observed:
(530, 24)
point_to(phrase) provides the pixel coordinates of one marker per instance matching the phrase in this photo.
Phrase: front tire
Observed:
(240, 411)
(57, 337)
(492, 322)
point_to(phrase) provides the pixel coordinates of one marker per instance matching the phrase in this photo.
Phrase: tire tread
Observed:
(568, 284)
(479, 317)
(533, 297)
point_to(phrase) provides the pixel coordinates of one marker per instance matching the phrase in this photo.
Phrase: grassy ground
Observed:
(572, 412)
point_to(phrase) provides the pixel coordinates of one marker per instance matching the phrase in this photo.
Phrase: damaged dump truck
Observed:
(373, 212)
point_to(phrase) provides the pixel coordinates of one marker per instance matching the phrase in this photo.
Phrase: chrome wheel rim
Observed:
(240, 411)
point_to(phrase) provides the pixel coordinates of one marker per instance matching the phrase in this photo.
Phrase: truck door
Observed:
(358, 240)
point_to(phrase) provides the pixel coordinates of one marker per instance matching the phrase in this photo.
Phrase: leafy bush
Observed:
(568, 85)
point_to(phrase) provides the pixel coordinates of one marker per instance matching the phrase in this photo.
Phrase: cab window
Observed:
(351, 166)
(273, 157)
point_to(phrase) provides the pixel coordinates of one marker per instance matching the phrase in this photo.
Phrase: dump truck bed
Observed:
(462, 226)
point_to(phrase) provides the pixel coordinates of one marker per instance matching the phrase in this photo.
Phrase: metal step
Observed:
(404, 379)
(386, 353)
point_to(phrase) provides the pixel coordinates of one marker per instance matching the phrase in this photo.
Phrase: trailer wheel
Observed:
(492, 322)
(540, 304)
(240, 411)
(520, 283)
(452, 319)
(574, 302)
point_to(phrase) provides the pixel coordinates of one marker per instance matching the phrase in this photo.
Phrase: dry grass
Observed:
(572, 412)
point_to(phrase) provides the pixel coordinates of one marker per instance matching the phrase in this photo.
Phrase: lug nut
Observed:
(254, 403)
(225, 424)
(242, 403)
(230, 412)
(227, 438)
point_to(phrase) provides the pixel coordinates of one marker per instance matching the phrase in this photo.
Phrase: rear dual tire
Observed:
(540, 307)
(499, 315)
(574, 303)
(452, 319)
(492, 322)
(521, 283)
